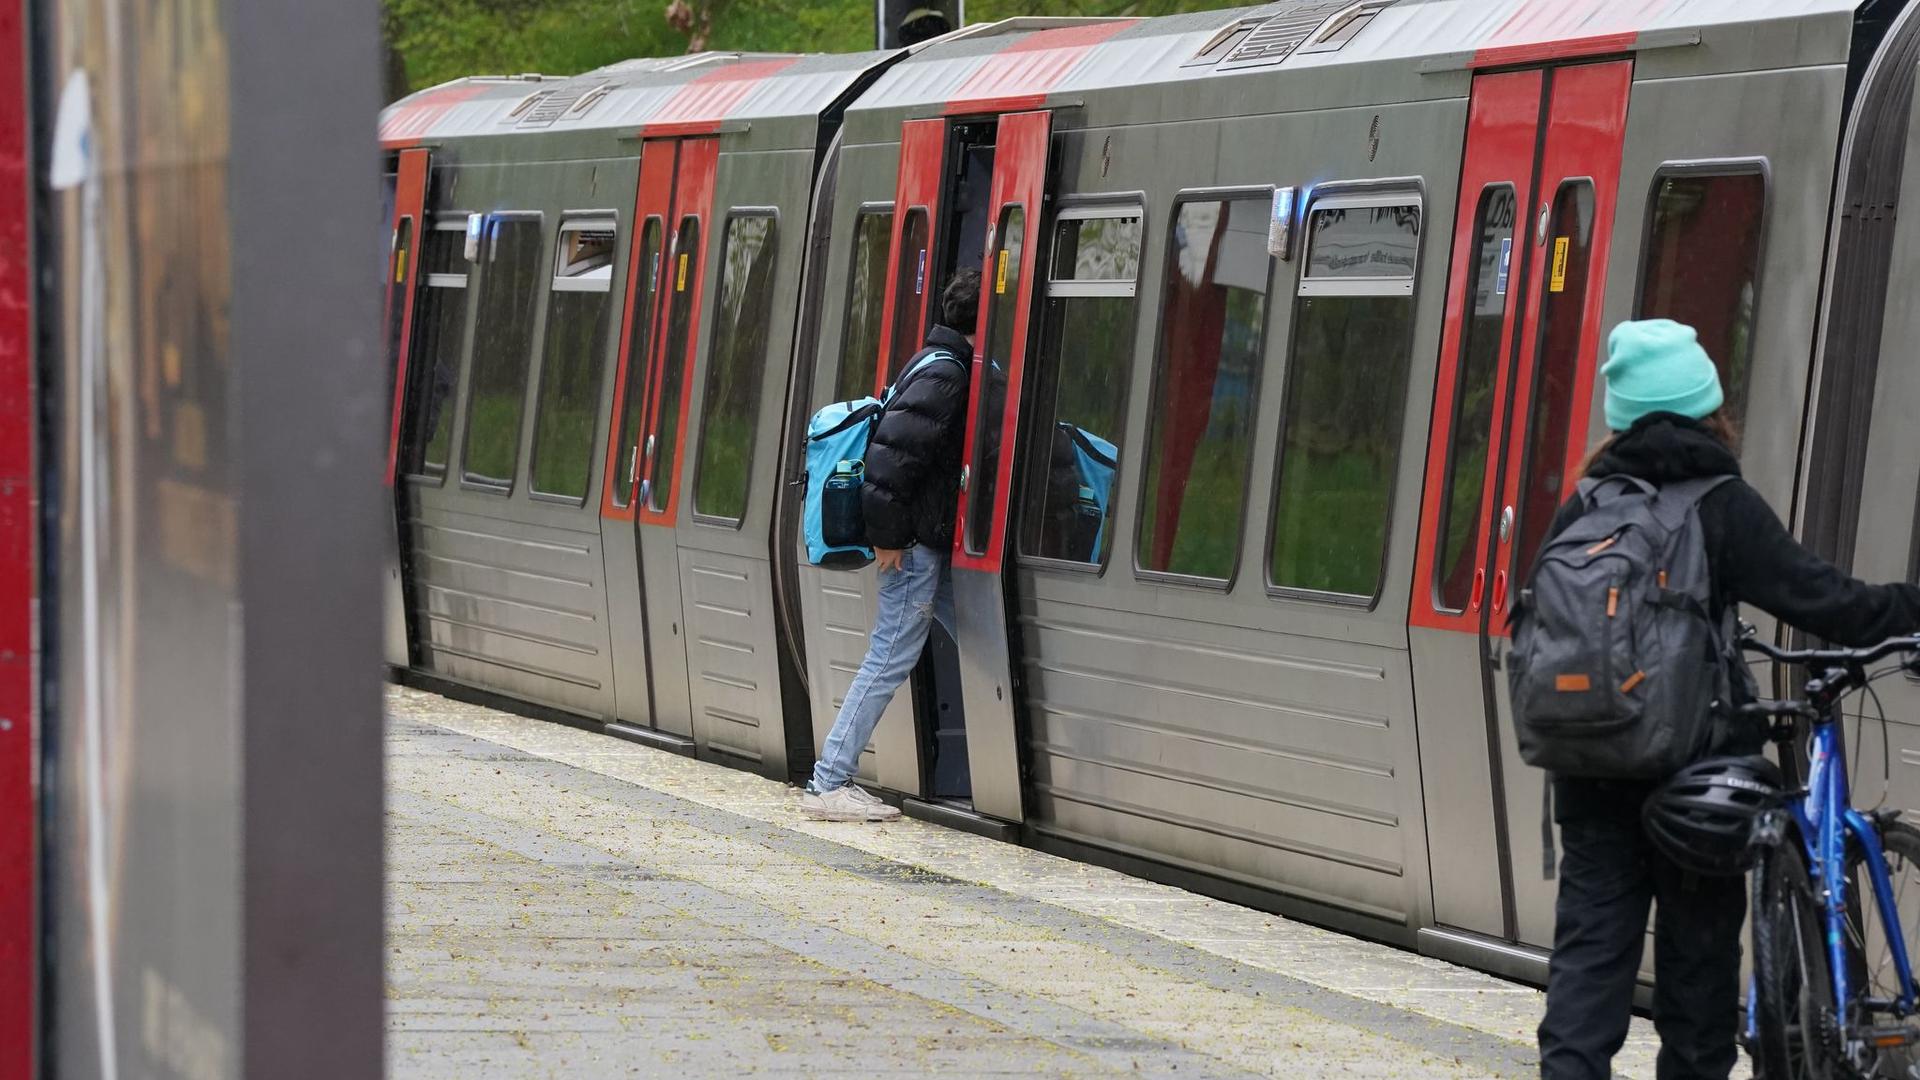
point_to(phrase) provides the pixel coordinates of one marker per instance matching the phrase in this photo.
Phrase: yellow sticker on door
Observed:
(680, 278)
(1000, 274)
(1559, 282)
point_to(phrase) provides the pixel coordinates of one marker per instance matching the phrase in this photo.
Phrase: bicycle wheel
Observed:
(1873, 959)
(1794, 1009)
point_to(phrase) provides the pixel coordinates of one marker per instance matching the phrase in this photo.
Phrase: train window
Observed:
(683, 278)
(570, 364)
(1702, 262)
(646, 292)
(1002, 289)
(1206, 387)
(397, 294)
(502, 345)
(1086, 341)
(1563, 313)
(1346, 391)
(911, 281)
(1460, 509)
(434, 365)
(866, 305)
(735, 363)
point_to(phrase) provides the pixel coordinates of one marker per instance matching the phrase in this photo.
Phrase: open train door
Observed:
(400, 272)
(986, 646)
(1512, 403)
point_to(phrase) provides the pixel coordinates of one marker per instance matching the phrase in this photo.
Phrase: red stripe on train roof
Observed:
(1019, 76)
(698, 107)
(408, 124)
(1545, 51)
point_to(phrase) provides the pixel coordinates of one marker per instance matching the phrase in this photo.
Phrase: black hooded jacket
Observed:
(1754, 560)
(913, 456)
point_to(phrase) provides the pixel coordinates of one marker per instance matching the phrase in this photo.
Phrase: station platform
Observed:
(561, 903)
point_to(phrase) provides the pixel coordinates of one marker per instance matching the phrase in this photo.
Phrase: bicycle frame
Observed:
(1825, 819)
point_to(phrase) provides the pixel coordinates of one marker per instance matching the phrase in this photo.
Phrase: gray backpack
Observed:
(1618, 669)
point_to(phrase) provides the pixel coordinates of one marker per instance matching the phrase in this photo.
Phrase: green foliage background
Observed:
(431, 41)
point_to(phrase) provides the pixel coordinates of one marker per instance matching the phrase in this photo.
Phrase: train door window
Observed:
(646, 292)
(683, 274)
(574, 355)
(1206, 387)
(1003, 303)
(911, 282)
(396, 293)
(866, 304)
(1702, 261)
(1086, 343)
(502, 347)
(735, 363)
(1563, 308)
(1460, 504)
(1346, 394)
(438, 320)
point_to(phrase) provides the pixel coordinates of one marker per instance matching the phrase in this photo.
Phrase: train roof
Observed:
(1028, 62)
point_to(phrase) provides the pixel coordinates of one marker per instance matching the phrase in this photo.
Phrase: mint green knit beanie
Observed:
(1657, 365)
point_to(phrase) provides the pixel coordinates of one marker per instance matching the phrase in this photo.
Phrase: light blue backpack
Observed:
(831, 519)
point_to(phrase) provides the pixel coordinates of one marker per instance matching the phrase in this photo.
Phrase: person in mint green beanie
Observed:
(1668, 413)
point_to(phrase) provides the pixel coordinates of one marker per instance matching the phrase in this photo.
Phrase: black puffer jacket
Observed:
(1754, 560)
(913, 456)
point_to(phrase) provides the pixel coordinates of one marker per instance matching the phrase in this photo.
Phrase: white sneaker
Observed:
(861, 794)
(846, 803)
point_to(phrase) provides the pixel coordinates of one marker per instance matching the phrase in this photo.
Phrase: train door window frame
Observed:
(1410, 192)
(1044, 382)
(631, 397)
(431, 474)
(1261, 195)
(1000, 281)
(1711, 169)
(721, 334)
(489, 249)
(575, 270)
(684, 268)
(912, 310)
(1506, 266)
(875, 296)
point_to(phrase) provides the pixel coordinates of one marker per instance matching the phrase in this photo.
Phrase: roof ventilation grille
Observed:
(555, 104)
(1274, 40)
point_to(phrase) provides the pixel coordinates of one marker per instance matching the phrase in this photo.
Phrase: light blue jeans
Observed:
(910, 599)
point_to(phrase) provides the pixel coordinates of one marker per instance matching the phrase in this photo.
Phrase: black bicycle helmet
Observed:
(1702, 818)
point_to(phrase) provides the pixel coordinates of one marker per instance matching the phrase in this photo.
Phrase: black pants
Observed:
(1609, 873)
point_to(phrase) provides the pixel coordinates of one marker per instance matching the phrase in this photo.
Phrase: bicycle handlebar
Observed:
(1847, 658)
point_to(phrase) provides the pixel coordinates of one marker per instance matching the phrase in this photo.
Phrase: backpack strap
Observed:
(1681, 496)
(1591, 486)
(1548, 856)
(917, 366)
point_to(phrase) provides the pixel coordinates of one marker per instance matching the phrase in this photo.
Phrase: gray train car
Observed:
(1289, 340)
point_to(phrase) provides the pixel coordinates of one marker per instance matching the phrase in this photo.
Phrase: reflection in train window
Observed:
(683, 278)
(1480, 340)
(736, 359)
(911, 283)
(1000, 280)
(1563, 316)
(433, 364)
(571, 362)
(646, 293)
(1702, 263)
(502, 345)
(1086, 343)
(1206, 387)
(866, 304)
(1346, 392)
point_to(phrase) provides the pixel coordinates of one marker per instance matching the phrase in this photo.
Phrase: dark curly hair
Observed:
(960, 301)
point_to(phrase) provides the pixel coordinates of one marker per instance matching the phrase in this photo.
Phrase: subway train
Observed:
(1289, 333)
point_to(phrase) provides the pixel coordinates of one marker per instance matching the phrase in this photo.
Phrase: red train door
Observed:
(1007, 275)
(904, 318)
(399, 273)
(1512, 400)
(666, 273)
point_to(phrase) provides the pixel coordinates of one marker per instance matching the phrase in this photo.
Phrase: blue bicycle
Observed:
(1833, 992)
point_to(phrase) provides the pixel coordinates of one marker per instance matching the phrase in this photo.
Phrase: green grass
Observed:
(1331, 526)
(493, 437)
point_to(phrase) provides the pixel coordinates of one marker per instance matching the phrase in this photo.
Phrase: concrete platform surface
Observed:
(564, 904)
